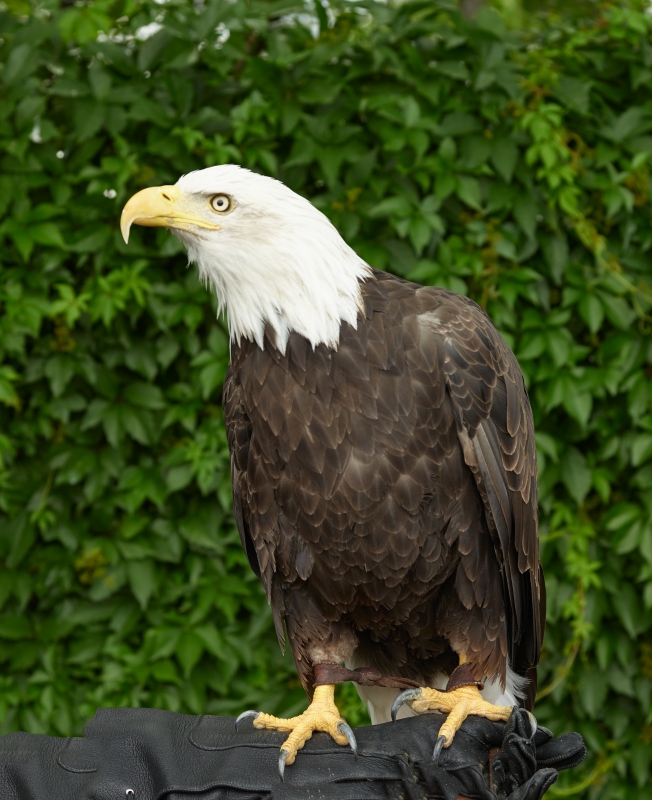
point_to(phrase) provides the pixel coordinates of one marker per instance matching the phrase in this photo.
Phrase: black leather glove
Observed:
(510, 762)
(529, 761)
(147, 754)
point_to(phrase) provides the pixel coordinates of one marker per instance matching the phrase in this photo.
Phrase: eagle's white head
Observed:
(271, 256)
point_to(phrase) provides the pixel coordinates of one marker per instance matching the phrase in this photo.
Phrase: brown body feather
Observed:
(386, 491)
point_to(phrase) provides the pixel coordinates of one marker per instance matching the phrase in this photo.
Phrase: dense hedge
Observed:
(514, 169)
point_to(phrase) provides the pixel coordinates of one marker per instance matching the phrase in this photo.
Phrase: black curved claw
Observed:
(404, 697)
(345, 730)
(282, 758)
(246, 715)
(533, 723)
(441, 741)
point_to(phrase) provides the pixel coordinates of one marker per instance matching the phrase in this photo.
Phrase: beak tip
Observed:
(124, 230)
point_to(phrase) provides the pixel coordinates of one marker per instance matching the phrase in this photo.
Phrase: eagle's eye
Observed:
(221, 203)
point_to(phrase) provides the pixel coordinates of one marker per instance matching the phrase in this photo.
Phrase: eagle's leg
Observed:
(321, 715)
(461, 698)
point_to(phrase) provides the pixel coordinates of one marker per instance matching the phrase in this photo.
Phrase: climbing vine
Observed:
(513, 167)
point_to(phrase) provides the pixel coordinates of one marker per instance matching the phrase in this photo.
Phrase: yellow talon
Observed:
(321, 715)
(458, 704)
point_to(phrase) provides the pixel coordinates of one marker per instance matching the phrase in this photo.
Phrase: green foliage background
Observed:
(512, 167)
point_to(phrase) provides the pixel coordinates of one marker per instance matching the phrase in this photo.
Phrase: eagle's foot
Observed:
(458, 704)
(321, 715)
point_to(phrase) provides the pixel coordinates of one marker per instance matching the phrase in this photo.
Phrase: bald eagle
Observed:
(382, 459)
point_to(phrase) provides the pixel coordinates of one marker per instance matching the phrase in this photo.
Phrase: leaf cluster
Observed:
(512, 168)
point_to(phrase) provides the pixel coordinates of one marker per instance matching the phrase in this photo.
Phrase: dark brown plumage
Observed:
(386, 492)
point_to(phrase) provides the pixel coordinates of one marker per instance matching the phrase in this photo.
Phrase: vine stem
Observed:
(603, 765)
(562, 673)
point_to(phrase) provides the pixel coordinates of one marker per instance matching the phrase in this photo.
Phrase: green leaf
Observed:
(166, 672)
(559, 345)
(591, 311)
(525, 212)
(633, 616)
(91, 244)
(445, 185)
(622, 515)
(69, 304)
(574, 93)
(212, 639)
(392, 205)
(504, 156)
(89, 118)
(640, 756)
(420, 233)
(202, 532)
(212, 376)
(468, 190)
(21, 536)
(489, 20)
(138, 423)
(459, 123)
(576, 475)
(14, 626)
(95, 413)
(592, 691)
(627, 124)
(142, 580)
(141, 359)
(547, 445)
(555, 249)
(113, 423)
(631, 540)
(532, 346)
(7, 392)
(642, 449)
(145, 395)
(19, 64)
(484, 79)
(179, 477)
(85, 650)
(319, 91)
(453, 69)
(167, 349)
(47, 233)
(619, 312)
(188, 651)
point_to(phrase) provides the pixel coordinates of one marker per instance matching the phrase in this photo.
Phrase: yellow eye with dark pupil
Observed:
(221, 203)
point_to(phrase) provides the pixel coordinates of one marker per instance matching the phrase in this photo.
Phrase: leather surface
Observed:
(161, 755)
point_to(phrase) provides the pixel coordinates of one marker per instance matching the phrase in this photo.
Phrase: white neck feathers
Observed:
(277, 260)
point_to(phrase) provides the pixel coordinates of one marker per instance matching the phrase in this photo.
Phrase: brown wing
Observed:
(238, 430)
(496, 431)
(239, 435)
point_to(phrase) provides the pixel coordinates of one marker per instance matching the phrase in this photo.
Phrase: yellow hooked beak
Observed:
(164, 207)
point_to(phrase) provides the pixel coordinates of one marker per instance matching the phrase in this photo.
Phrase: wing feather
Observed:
(496, 431)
